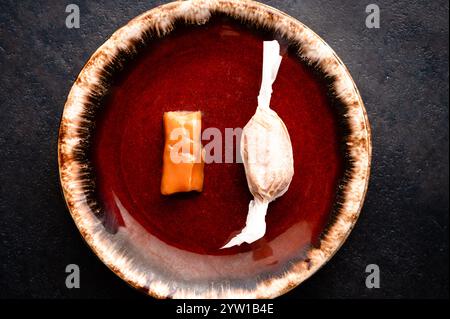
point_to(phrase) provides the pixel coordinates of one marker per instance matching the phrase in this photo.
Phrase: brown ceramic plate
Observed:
(207, 55)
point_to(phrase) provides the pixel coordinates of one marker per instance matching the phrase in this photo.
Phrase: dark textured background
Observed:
(401, 70)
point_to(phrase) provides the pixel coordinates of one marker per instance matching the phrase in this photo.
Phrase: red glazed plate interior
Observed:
(215, 68)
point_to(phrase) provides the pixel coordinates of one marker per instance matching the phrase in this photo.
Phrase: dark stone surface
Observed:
(401, 70)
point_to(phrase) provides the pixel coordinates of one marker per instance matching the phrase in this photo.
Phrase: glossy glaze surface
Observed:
(216, 69)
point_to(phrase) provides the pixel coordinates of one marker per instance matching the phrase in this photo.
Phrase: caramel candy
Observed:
(182, 159)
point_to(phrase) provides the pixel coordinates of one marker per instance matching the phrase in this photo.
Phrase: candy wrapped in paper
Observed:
(266, 152)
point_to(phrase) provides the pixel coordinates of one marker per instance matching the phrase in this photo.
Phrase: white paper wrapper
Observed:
(266, 151)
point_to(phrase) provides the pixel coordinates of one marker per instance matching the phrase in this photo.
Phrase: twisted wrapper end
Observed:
(271, 65)
(255, 226)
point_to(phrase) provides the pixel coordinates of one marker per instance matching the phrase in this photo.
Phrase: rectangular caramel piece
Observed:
(182, 160)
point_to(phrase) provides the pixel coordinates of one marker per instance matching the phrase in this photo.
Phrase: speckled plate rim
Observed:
(157, 22)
